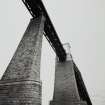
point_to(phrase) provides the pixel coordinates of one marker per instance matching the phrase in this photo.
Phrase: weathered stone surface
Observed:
(20, 93)
(65, 87)
(20, 84)
(26, 60)
(65, 83)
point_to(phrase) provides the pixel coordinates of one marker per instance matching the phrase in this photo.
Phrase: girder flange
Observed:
(36, 8)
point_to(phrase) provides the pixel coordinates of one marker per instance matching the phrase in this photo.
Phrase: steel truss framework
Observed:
(36, 8)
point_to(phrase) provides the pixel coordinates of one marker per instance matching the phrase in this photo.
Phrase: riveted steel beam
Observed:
(36, 8)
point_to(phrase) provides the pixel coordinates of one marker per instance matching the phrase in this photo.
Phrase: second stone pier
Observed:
(65, 87)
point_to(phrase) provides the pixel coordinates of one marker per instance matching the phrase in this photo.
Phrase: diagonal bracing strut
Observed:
(36, 8)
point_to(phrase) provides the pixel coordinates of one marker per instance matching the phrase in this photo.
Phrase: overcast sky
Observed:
(79, 22)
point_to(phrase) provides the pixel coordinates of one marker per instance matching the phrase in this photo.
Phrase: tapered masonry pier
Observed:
(20, 84)
(69, 88)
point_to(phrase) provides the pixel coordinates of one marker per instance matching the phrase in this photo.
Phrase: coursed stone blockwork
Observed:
(26, 60)
(20, 84)
(65, 86)
(65, 83)
(20, 93)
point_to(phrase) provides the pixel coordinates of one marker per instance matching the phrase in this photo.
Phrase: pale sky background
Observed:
(79, 22)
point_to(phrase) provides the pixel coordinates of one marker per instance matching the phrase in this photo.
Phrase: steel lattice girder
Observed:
(36, 8)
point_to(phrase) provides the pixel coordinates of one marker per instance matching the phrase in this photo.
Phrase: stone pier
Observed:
(20, 84)
(66, 90)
